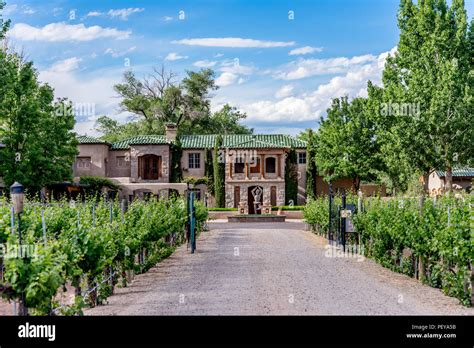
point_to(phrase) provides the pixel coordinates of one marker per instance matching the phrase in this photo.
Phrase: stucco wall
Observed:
(192, 172)
(99, 160)
(114, 170)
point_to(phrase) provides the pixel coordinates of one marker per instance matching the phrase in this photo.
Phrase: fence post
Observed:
(421, 264)
(12, 221)
(43, 223)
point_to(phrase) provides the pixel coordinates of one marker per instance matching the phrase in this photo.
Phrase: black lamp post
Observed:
(17, 194)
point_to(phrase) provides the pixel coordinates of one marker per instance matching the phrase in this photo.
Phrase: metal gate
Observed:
(340, 219)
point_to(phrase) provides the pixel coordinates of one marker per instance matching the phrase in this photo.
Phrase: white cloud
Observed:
(311, 106)
(232, 42)
(92, 89)
(284, 91)
(94, 14)
(218, 55)
(305, 50)
(28, 10)
(204, 63)
(167, 18)
(174, 56)
(117, 54)
(303, 68)
(57, 32)
(124, 13)
(226, 79)
(9, 9)
(65, 65)
(235, 67)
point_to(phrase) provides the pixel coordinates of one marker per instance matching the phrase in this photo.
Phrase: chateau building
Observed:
(142, 164)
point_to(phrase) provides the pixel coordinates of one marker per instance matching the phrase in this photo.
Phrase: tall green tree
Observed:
(4, 24)
(209, 171)
(36, 130)
(311, 172)
(219, 174)
(433, 70)
(158, 99)
(346, 144)
(291, 177)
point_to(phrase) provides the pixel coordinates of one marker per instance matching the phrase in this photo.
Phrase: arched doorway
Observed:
(255, 199)
(149, 167)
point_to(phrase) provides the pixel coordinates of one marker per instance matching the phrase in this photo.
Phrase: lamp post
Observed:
(17, 194)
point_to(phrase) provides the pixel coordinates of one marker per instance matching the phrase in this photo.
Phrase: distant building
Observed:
(462, 179)
(142, 164)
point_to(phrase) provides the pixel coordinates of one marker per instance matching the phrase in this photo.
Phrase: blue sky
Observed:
(279, 61)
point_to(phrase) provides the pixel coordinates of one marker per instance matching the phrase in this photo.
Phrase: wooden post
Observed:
(262, 164)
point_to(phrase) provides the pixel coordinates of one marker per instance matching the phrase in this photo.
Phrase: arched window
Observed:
(270, 166)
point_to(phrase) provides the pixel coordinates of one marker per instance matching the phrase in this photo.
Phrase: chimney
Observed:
(171, 131)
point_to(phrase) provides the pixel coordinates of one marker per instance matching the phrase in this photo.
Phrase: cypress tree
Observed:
(219, 172)
(291, 177)
(209, 171)
(311, 172)
(176, 174)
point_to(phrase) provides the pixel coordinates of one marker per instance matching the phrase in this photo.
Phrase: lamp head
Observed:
(17, 193)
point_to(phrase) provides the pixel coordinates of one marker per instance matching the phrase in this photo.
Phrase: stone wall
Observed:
(244, 186)
(158, 150)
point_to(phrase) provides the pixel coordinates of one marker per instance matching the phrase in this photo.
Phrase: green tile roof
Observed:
(198, 141)
(457, 172)
(140, 140)
(85, 139)
(242, 141)
(257, 141)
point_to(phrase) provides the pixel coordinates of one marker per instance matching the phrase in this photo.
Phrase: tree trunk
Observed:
(426, 178)
(449, 179)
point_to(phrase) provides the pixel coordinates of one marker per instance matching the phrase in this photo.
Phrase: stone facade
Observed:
(162, 151)
(266, 169)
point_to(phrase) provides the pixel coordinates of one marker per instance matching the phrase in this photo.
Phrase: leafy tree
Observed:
(158, 99)
(346, 143)
(4, 25)
(176, 155)
(291, 177)
(311, 172)
(36, 130)
(433, 69)
(225, 121)
(219, 175)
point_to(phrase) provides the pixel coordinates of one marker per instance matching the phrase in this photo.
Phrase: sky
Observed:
(280, 62)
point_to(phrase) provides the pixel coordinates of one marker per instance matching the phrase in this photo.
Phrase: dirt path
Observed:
(253, 269)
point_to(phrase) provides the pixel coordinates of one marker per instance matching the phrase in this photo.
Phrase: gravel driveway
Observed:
(255, 269)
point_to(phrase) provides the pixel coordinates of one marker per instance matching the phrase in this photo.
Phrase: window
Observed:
(301, 157)
(270, 166)
(122, 161)
(254, 165)
(239, 165)
(83, 162)
(194, 161)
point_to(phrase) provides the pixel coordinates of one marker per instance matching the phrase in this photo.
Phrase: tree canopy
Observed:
(158, 99)
(36, 130)
(421, 118)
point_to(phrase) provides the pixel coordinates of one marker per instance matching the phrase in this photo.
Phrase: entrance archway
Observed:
(255, 199)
